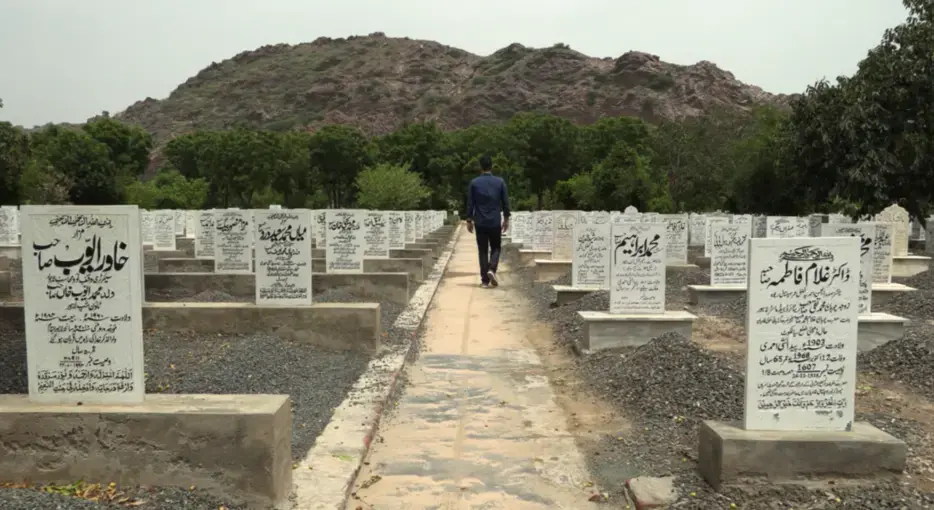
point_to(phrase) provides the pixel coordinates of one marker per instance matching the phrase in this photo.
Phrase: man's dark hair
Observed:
(486, 163)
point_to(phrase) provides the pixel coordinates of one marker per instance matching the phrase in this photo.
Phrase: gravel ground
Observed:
(665, 388)
(911, 359)
(316, 381)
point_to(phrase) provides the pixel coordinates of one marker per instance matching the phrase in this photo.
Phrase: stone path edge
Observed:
(324, 479)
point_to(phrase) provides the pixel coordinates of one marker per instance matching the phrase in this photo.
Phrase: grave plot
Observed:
(660, 392)
(314, 379)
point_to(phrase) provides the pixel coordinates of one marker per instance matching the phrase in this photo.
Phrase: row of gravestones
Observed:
(552, 231)
(83, 275)
(629, 259)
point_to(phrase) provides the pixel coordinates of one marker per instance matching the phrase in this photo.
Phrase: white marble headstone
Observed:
(83, 303)
(204, 235)
(163, 230)
(376, 234)
(676, 233)
(729, 254)
(898, 216)
(319, 227)
(283, 256)
(866, 233)
(345, 241)
(543, 234)
(637, 268)
(396, 230)
(563, 243)
(712, 220)
(802, 376)
(233, 241)
(590, 266)
(882, 254)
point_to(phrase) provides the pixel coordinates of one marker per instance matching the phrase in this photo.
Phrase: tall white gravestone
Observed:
(345, 240)
(543, 239)
(590, 266)
(882, 254)
(676, 232)
(637, 269)
(396, 230)
(563, 244)
(729, 254)
(711, 220)
(898, 217)
(320, 227)
(283, 256)
(82, 269)
(409, 226)
(866, 233)
(163, 230)
(801, 375)
(204, 235)
(376, 234)
(233, 241)
(9, 226)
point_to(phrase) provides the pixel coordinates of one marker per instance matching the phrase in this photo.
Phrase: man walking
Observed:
(487, 202)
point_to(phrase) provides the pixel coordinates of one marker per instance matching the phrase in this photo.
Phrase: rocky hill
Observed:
(377, 83)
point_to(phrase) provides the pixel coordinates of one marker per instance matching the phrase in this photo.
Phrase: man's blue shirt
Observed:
(486, 199)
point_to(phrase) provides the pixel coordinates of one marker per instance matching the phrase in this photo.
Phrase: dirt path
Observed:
(479, 426)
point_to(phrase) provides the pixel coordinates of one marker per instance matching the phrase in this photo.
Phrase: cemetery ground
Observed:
(499, 410)
(652, 398)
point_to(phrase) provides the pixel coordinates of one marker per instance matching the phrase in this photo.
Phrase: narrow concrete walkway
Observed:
(478, 426)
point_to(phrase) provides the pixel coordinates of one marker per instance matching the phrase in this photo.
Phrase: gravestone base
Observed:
(909, 265)
(233, 446)
(390, 287)
(702, 262)
(604, 330)
(9, 255)
(714, 294)
(679, 268)
(528, 257)
(336, 326)
(6, 284)
(565, 294)
(147, 246)
(728, 453)
(877, 329)
(185, 244)
(884, 293)
(435, 248)
(550, 270)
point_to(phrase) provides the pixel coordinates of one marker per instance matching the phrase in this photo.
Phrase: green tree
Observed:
(169, 190)
(14, 158)
(337, 153)
(390, 187)
(548, 150)
(868, 140)
(82, 161)
(129, 145)
(626, 178)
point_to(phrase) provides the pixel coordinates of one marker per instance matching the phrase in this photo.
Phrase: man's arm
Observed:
(470, 204)
(505, 199)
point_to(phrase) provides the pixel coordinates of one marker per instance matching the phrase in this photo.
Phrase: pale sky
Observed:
(67, 60)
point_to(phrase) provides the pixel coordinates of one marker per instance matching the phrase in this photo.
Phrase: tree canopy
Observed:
(857, 144)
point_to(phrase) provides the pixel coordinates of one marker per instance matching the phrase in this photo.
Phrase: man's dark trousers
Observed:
(489, 241)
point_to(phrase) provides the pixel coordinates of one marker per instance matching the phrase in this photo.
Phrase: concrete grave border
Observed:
(325, 478)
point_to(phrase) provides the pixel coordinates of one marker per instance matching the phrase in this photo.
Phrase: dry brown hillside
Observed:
(377, 83)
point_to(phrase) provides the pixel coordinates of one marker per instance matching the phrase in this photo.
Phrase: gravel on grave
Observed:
(389, 311)
(667, 387)
(316, 380)
(909, 360)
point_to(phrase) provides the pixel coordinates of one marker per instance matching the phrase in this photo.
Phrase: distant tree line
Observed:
(856, 145)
